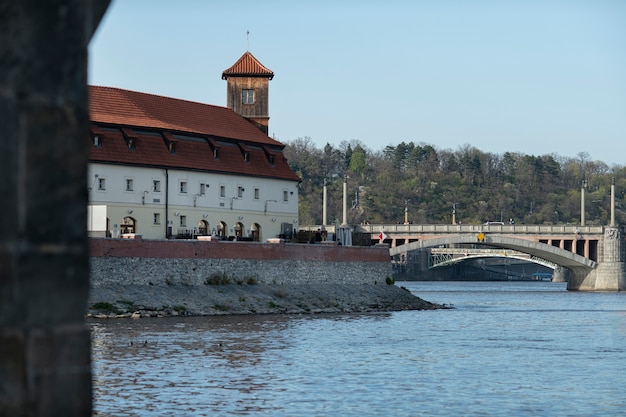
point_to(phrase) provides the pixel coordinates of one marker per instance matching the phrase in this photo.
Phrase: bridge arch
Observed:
(550, 253)
(450, 260)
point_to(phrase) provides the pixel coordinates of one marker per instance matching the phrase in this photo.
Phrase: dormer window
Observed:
(269, 155)
(97, 135)
(247, 96)
(130, 137)
(214, 147)
(245, 152)
(170, 142)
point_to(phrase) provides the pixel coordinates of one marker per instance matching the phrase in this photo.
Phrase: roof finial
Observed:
(248, 41)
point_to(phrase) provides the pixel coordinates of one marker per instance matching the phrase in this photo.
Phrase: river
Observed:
(506, 349)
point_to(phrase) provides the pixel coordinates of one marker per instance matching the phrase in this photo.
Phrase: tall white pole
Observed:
(612, 202)
(345, 201)
(324, 218)
(582, 203)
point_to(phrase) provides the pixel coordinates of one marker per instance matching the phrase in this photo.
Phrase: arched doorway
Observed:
(239, 229)
(128, 225)
(256, 232)
(203, 228)
(221, 230)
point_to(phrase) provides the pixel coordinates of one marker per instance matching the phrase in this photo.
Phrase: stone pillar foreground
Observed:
(44, 276)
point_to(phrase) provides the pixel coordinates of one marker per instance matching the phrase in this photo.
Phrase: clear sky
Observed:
(536, 77)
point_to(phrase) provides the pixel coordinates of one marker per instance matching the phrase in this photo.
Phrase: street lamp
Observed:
(406, 211)
(453, 213)
(582, 202)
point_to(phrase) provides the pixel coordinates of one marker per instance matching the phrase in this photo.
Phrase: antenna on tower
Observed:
(248, 41)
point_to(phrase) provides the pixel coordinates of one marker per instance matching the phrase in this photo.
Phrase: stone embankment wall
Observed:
(192, 262)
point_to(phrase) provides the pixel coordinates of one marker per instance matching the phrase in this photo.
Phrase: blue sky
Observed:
(536, 77)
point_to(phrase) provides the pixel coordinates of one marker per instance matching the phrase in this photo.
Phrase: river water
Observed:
(506, 349)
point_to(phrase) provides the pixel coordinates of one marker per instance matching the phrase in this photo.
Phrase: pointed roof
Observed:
(248, 66)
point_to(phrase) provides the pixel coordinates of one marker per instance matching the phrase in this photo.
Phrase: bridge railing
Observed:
(375, 229)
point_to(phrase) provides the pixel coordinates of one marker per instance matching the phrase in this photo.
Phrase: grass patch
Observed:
(273, 304)
(218, 279)
(180, 309)
(221, 307)
(106, 308)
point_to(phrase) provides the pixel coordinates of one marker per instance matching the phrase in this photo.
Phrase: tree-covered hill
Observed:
(431, 183)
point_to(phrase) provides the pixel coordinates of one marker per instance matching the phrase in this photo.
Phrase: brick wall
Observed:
(161, 262)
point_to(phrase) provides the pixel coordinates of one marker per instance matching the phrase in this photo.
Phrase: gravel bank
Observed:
(174, 300)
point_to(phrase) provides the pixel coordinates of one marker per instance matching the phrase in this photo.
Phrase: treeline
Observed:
(432, 183)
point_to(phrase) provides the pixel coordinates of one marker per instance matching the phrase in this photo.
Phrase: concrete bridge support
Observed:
(610, 275)
(560, 274)
(44, 271)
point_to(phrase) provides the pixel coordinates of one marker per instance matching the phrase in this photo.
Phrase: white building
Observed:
(167, 168)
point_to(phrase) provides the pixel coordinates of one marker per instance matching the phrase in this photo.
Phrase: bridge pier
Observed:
(610, 275)
(560, 274)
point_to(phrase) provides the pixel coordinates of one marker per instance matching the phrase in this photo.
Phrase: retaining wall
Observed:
(192, 262)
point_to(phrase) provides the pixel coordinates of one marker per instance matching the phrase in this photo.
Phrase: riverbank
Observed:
(137, 301)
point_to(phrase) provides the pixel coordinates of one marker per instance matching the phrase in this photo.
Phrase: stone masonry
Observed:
(44, 277)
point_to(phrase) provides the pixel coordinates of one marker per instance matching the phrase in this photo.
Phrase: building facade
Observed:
(168, 168)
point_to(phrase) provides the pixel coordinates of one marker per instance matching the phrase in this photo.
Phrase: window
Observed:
(247, 96)
(222, 191)
(202, 189)
(156, 218)
(129, 184)
(102, 184)
(240, 191)
(183, 221)
(156, 186)
(97, 142)
(256, 193)
(285, 195)
(183, 187)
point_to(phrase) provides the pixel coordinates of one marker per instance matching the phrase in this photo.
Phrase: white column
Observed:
(324, 196)
(345, 201)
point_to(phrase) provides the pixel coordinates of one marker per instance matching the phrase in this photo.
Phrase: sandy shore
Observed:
(175, 300)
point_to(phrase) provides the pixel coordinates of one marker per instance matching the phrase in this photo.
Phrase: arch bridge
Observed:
(592, 257)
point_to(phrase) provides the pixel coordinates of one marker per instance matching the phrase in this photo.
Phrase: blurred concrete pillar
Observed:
(45, 367)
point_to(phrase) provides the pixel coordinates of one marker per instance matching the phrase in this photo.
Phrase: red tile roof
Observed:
(129, 108)
(248, 66)
(153, 121)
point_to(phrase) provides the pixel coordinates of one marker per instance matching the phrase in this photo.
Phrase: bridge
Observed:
(590, 258)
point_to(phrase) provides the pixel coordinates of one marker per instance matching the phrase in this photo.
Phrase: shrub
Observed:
(390, 281)
(218, 279)
(103, 306)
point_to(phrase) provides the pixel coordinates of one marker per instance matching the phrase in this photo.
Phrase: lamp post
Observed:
(406, 211)
(453, 213)
(345, 201)
(582, 202)
(612, 224)
(324, 199)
